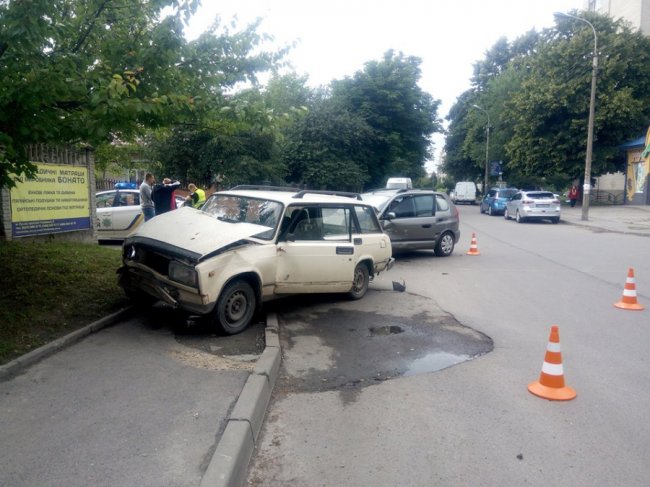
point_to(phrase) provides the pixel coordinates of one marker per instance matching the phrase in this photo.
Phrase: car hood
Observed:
(192, 233)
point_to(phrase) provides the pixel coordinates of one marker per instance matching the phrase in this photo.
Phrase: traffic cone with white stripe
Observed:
(473, 247)
(628, 301)
(551, 381)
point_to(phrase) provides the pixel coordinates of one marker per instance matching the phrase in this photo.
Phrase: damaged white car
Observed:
(252, 244)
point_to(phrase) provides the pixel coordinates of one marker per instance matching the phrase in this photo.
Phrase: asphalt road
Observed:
(475, 423)
(139, 404)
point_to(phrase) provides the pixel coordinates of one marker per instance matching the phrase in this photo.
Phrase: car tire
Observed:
(360, 281)
(555, 219)
(505, 214)
(445, 245)
(519, 218)
(490, 211)
(235, 307)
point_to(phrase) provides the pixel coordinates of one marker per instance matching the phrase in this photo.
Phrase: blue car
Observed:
(494, 203)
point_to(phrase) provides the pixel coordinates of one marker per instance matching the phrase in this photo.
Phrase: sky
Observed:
(335, 38)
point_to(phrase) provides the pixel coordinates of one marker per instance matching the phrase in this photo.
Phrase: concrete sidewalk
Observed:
(628, 219)
(130, 405)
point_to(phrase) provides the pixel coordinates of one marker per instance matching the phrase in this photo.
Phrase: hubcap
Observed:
(358, 280)
(236, 308)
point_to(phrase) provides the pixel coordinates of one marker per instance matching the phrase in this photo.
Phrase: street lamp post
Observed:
(592, 112)
(487, 148)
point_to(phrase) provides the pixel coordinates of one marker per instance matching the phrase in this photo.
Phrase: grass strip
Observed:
(50, 289)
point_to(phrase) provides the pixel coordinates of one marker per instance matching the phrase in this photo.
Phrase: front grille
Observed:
(148, 257)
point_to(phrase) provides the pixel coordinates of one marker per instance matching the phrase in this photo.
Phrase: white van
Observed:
(399, 183)
(465, 192)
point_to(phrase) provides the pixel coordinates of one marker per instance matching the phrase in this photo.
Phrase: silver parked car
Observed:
(529, 205)
(417, 219)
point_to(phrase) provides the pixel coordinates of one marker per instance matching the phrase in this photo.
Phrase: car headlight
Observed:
(184, 274)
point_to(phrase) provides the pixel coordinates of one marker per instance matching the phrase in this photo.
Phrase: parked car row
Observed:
(522, 205)
(252, 244)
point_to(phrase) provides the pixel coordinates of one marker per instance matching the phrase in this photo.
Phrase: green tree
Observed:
(549, 114)
(329, 148)
(537, 93)
(403, 117)
(88, 70)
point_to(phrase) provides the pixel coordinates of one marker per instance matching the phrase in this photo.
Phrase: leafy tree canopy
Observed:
(403, 117)
(536, 91)
(83, 71)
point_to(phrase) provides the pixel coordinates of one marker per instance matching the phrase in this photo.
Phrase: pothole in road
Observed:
(385, 330)
(332, 348)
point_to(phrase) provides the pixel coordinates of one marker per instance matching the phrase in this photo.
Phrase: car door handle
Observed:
(345, 250)
(428, 225)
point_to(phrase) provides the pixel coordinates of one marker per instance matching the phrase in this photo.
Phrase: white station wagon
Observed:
(251, 244)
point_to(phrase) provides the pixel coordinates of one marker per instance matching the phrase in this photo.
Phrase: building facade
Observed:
(637, 12)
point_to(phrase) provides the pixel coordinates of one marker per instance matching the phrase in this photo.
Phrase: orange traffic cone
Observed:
(473, 248)
(551, 381)
(628, 301)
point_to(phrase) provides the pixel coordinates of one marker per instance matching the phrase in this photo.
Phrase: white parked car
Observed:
(118, 213)
(249, 245)
(533, 205)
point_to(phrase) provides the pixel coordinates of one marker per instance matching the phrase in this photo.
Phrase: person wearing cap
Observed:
(163, 196)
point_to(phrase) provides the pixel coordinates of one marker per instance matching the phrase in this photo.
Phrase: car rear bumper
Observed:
(540, 212)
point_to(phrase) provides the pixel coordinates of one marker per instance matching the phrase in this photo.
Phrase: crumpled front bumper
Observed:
(133, 278)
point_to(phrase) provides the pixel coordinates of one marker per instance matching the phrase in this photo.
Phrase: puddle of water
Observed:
(434, 361)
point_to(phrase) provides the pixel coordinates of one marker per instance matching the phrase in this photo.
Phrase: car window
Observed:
(492, 193)
(367, 221)
(335, 224)
(105, 200)
(403, 207)
(541, 195)
(506, 193)
(441, 203)
(129, 199)
(240, 209)
(423, 205)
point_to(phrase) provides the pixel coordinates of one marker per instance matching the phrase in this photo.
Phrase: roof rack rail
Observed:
(258, 187)
(346, 194)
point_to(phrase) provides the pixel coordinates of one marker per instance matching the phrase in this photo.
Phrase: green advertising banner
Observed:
(56, 200)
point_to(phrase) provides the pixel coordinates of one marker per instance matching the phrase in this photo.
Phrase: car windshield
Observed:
(378, 200)
(242, 209)
(506, 193)
(541, 196)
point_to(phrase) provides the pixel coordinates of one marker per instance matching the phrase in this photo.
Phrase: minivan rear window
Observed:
(541, 196)
(506, 193)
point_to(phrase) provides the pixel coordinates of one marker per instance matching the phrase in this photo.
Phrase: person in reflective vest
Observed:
(196, 197)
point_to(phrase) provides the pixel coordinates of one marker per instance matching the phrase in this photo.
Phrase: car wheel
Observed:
(505, 214)
(490, 211)
(519, 218)
(235, 308)
(360, 281)
(555, 219)
(480, 209)
(445, 245)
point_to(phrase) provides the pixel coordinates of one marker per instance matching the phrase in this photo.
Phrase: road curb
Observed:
(229, 463)
(11, 369)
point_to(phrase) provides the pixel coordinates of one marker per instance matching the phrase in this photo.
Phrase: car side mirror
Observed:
(390, 215)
